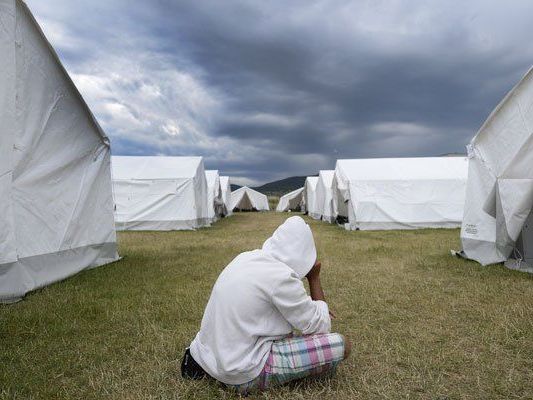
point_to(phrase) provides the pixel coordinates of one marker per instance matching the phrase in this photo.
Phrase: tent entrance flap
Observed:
(245, 203)
(522, 256)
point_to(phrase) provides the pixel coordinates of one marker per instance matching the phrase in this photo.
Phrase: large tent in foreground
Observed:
(401, 193)
(246, 199)
(499, 194)
(160, 193)
(56, 204)
(216, 208)
(225, 187)
(310, 197)
(324, 196)
(292, 201)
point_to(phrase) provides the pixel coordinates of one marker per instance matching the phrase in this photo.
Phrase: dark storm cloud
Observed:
(270, 89)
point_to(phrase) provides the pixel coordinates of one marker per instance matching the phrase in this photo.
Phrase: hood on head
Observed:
(293, 244)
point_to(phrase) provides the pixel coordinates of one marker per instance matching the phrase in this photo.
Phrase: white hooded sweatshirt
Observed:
(258, 298)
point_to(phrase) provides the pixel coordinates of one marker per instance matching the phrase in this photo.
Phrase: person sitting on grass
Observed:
(246, 339)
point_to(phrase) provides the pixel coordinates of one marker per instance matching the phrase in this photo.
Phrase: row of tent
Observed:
(58, 201)
(489, 194)
(174, 193)
(386, 193)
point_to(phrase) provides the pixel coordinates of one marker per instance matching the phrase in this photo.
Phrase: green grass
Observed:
(424, 324)
(273, 202)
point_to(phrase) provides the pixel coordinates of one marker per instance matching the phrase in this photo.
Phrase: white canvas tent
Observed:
(214, 195)
(324, 196)
(225, 187)
(401, 193)
(56, 205)
(246, 199)
(291, 201)
(160, 193)
(499, 194)
(310, 197)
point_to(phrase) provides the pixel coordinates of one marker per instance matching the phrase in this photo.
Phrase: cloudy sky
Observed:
(269, 89)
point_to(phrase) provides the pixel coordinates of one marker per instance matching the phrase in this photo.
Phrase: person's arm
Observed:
(300, 310)
(315, 286)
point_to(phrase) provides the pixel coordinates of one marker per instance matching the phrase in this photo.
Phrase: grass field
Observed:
(424, 324)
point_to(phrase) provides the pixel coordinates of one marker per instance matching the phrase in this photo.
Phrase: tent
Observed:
(56, 204)
(310, 197)
(499, 194)
(225, 188)
(246, 199)
(400, 193)
(292, 201)
(214, 196)
(160, 193)
(324, 196)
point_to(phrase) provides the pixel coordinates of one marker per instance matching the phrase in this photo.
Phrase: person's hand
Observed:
(332, 315)
(314, 273)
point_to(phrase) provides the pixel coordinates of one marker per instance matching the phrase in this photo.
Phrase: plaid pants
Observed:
(295, 358)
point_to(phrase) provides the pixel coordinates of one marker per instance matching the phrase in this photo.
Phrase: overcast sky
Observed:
(269, 89)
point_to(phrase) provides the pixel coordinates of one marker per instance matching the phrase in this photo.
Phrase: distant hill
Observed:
(278, 188)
